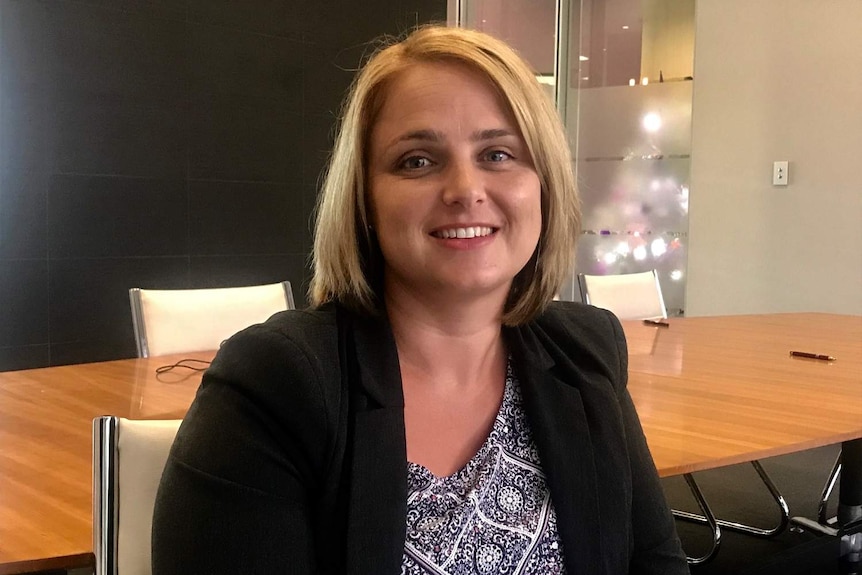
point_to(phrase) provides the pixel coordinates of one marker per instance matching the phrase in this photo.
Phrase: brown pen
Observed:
(656, 322)
(807, 355)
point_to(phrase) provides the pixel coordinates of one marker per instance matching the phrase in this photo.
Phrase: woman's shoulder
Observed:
(574, 330)
(294, 353)
(579, 320)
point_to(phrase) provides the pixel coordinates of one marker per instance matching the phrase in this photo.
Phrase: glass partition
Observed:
(621, 72)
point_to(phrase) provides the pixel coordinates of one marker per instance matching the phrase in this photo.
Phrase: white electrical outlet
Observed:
(780, 173)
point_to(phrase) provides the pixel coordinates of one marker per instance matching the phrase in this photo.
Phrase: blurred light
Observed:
(583, 58)
(652, 122)
(625, 27)
(632, 82)
(644, 81)
(585, 77)
(640, 253)
(610, 258)
(655, 185)
(658, 247)
(623, 248)
(676, 275)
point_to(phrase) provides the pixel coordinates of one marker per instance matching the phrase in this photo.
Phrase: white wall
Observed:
(776, 80)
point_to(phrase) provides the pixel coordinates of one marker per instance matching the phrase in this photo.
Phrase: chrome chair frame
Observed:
(715, 524)
(105, 510)
(107, 459)
(708, 516)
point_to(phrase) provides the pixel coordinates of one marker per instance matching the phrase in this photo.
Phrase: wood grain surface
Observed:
(710, 392)
(713, 391)
(46, 449)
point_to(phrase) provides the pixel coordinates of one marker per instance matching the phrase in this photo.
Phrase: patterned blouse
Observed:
(493, 516)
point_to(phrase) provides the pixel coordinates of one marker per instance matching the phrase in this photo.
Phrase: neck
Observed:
(447, 344)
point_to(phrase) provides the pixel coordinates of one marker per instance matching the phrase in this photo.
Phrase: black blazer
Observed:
(292, 458)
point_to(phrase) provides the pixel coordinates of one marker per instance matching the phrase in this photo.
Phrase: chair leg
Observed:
(708, 517)
(827, 491)
(742, 527)
(824, 525)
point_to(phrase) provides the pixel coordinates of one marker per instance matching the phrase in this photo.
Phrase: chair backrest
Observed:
(629, 296)
(128, 459)
(176, 321)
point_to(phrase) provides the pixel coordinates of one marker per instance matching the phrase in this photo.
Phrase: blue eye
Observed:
(415, 163)
(497, 156)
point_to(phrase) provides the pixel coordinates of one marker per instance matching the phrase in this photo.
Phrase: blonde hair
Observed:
(346, 258)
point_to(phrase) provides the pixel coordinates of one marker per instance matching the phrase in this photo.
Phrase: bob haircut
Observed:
(348, 266)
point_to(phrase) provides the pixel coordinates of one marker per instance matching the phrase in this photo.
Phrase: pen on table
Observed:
(656, 322)
(807, 355)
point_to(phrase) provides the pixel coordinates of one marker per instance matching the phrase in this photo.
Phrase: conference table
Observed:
(710, 391)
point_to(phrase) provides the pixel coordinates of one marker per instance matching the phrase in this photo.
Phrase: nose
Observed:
(463, 183)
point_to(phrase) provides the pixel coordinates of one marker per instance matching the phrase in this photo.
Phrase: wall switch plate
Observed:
(780, 173)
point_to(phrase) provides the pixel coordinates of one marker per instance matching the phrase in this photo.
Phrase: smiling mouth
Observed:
(464, 233)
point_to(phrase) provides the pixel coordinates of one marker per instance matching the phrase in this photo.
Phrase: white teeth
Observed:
(471, 232)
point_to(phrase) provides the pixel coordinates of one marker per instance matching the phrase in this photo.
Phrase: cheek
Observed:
(529, 201)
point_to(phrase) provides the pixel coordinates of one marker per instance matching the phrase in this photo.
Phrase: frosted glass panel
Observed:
(628, 67)
(629, 116)
(526, 25)
(629, 121)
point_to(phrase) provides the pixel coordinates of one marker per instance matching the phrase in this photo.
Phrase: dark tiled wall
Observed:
(162, 144)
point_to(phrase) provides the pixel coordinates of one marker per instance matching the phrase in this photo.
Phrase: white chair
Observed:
(128, 459)
(176, 321)
(638, 296)
(628, 296)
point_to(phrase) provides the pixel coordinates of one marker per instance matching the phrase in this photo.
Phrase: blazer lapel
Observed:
(556, 412)
(377, 506)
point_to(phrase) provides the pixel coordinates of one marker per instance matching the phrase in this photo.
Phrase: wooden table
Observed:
(46, 449)
(714, 391)
(710, 392)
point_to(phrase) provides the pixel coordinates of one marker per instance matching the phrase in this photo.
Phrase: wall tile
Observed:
(24, 297)
(26, 132)
(107, 136)
(90, 297)
(247, 143)
(223, 271)
(318, 137)
(100, 52)
(70, 352)
(271, 17)
(23, 215)
(245, 218)
(234, 66)
(328, 76)
(24, 45)
(24, 357)
(91, 216)
(162, 9)
(116, 116)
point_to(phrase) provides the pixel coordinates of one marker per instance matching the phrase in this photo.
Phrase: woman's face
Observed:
(454, 198)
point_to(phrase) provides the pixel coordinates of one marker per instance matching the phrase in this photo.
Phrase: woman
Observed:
(433, 412)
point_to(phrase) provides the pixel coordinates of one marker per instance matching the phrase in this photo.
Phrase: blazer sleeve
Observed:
(236, 494)
(656, 546)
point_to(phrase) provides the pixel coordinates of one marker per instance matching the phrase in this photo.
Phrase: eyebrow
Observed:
(435, 136)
